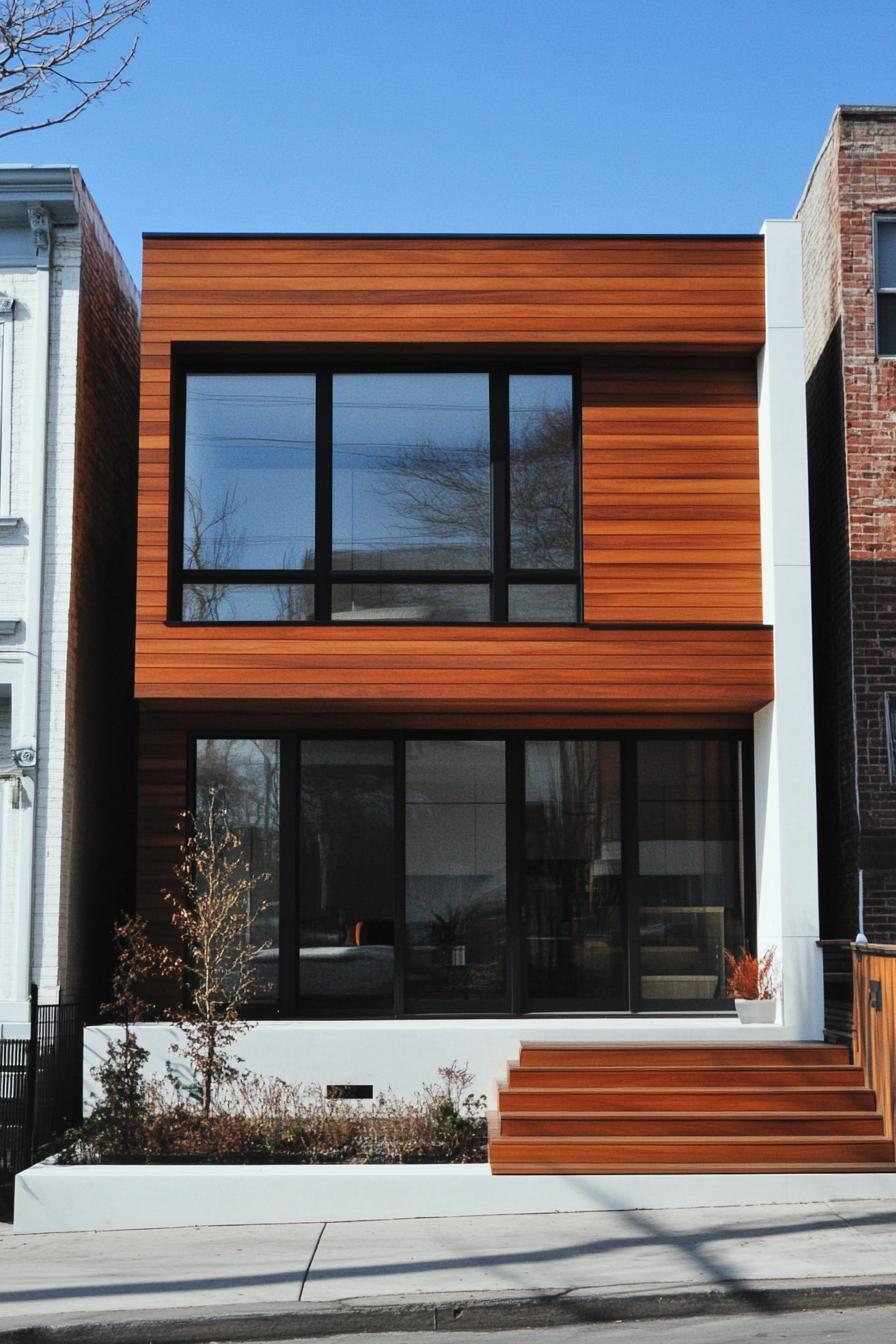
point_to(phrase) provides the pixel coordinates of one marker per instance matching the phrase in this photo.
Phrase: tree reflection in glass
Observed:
(246, 774)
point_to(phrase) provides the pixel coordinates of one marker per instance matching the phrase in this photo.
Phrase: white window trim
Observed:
(6, 334)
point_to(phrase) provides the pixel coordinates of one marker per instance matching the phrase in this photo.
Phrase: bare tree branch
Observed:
(40, 40)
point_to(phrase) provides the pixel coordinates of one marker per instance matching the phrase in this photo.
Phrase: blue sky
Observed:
(471, 115)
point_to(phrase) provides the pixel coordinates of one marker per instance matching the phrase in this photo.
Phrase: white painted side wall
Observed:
(52, 827)
(784, 737)
(32, 861)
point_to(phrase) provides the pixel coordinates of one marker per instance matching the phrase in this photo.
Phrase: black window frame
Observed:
(889, 219)
(499, 577)
(630, 1004)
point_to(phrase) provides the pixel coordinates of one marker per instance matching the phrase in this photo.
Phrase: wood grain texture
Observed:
(670, 489)
(669, 466)
(701, 291)
(591, 1108)
(875, 1029)
(539, 670)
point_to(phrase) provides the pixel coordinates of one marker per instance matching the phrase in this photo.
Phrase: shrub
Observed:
(118, 1119)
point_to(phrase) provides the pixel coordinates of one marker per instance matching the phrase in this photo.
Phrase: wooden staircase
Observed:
(686, 1108)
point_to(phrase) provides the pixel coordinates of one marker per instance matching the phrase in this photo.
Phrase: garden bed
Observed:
(257, 1121)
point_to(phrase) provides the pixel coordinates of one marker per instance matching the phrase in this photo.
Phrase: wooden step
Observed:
(597, 1125)
(543, 1055)
(589, 1154)
(689, 1169)
(589, 1108)
(526, 1098)
(658, 1076)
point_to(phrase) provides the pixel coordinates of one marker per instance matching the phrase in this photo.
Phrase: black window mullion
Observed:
(630, 886)
(177, 499)
(398, 822)
(323, 497)
(516, 872)
(499, 433)
(289, 875)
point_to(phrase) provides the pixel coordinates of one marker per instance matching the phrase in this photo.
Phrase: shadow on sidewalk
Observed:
(702, 1249)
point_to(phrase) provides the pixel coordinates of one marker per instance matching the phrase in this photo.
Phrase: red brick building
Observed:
(848, 213)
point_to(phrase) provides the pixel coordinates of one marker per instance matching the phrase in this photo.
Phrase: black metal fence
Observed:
(40, 1083)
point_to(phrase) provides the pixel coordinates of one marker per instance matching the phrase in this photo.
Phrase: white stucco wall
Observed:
(784, 733)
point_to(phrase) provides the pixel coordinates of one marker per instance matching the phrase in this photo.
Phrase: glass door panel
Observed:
(574, 925)
(346, 878)
(243, 777)
(690, 867)
(456, 877)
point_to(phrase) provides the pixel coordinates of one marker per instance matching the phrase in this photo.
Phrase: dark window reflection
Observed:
(456, 875)
(543, 602)
(886, 324)
(574, 906)
(886, 253)
(246, 775)
(347, 876)
(249, 472)
(411, 473)
(542, 472)
(690, 865)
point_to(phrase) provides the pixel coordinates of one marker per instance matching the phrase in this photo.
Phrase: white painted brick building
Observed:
(68, 380)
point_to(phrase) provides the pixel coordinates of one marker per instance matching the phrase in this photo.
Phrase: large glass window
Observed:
(468, 875)
(346, 875)
(411, 471)
(244, 776)
(248, 485)
(456, 875)
(417, 497)
(690, 866)
(574, 911)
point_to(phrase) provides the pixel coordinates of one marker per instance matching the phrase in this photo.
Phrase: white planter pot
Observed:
(756, 1010)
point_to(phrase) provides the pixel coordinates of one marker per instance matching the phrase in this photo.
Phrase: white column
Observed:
(784, 737)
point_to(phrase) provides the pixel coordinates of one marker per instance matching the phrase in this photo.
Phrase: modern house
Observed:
(475, 572)
(848, 214)
(68, 422)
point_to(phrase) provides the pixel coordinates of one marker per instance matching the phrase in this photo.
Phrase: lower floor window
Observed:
(475, 875)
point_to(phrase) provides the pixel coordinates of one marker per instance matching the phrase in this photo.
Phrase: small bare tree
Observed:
(213, 913)
(42, 44)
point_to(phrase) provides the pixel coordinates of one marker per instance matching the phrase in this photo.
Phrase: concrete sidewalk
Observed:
(312, 1278)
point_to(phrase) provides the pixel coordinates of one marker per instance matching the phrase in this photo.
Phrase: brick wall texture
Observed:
(851, 404)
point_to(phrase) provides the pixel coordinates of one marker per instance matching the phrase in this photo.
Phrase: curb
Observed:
(483, 1312)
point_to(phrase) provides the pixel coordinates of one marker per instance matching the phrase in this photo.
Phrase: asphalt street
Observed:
(870, 1325)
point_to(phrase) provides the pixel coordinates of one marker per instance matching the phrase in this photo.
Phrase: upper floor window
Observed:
(885, 283)
(416, 497)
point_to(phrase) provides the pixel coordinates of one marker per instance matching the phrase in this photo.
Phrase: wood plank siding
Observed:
(665, 332)
(670, 489)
